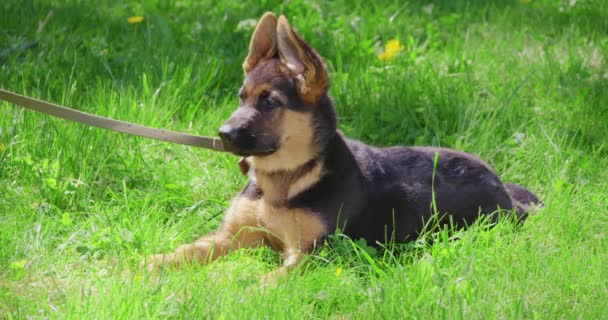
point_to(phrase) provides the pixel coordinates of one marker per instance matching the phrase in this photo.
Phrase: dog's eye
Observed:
(267, 101)
(264, 95)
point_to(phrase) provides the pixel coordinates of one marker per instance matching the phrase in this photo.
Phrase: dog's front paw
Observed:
(155, 262)
(272, 278)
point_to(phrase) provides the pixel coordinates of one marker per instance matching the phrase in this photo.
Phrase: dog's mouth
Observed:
(248, 153)
(250, 149)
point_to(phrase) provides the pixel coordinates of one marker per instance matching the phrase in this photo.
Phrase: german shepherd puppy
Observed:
(306, 178)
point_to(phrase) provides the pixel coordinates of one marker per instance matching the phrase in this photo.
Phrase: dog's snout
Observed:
(230, 134)
(245, 133)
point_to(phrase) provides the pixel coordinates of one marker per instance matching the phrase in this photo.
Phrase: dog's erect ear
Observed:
(303, 60)
(263, 43)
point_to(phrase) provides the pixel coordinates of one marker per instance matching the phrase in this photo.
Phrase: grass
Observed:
(523, 85)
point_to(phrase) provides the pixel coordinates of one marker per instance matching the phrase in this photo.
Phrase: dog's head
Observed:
(285, 115)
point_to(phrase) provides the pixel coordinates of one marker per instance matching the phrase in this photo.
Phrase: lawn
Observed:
(522, 84)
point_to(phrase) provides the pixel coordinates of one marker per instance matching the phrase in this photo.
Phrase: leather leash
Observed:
(111, 124)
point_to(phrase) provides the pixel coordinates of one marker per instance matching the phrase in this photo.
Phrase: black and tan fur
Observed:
(306, 178)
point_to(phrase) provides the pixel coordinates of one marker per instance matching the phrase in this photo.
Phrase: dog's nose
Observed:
(229, 134)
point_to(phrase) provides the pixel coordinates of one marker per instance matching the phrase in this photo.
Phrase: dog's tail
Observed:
(524, 201)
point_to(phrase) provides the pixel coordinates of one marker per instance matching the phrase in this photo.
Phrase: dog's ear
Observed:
(303, 60)
(263, 44)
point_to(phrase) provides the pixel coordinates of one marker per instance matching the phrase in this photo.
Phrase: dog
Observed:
(305, 178)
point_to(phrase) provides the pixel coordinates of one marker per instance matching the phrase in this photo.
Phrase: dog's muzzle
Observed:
(242, 142)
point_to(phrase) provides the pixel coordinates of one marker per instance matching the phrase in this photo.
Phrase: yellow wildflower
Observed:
(393, 46)
(391, 49)
(135, 19)
(2, 147)
(338, 271)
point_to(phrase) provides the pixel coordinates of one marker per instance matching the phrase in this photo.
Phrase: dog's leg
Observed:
(300, 232)
(239, 229)
(206, 249)
(291, 259)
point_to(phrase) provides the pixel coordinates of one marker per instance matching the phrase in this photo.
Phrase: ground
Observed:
(522, 84)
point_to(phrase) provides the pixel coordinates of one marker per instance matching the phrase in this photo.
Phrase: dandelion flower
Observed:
(386, 56)
(393, 46)
(135, 19)
(391, 49)
(338, 271)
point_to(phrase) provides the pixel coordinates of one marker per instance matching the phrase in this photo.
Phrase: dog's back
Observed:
(384, 194)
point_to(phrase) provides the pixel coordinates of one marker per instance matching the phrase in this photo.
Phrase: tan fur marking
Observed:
(259, 89)
(306, 181)
(302, 59)
(205, 249)
(279, 187)
(287, 229)
(273, 187)
(254, 93)
(296, 229)
(279, 96)
(310, 93)
(296, 232)
(296, 146)
(242, 216)
(248, 89)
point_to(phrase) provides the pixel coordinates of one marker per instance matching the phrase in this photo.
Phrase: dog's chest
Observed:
(294, 228)
(279, 187)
